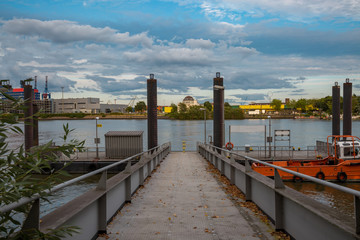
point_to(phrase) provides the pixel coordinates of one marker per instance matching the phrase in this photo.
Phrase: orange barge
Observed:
(341, 164)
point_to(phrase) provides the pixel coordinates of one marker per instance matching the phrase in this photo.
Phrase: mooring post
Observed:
(28, 120)
(347, 108)
(152, 112)
(336, 109)
(36, 125)
(219, 126)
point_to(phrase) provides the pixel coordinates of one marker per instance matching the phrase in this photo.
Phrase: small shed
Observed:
(123, 144)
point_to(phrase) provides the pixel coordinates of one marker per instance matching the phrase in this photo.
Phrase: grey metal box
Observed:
(123, 144)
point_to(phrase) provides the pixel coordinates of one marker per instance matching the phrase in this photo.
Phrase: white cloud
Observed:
(298, 10)
(62, 31)
(169, 55)
(79, 61)
(200, 43)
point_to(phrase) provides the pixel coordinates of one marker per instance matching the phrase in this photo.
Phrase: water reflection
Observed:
(342, 202)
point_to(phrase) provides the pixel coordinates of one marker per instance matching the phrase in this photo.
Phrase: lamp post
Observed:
(269, 139)
(204, 109)
(97, 139)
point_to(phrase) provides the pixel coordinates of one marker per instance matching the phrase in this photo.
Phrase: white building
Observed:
(77, 105)
(190, 101)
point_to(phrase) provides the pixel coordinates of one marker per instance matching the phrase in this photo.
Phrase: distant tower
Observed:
(46, 94)
(35, 82)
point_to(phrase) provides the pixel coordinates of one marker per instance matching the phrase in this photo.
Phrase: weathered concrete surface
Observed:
(184, 201)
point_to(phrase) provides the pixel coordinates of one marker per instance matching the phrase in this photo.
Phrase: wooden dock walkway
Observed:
(183, 200)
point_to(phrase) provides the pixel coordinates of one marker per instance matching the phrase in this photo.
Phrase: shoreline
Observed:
(143, 117)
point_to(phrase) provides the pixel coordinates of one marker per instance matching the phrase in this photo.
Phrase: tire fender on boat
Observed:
(320, 175)
(341, 176)
(297, 179)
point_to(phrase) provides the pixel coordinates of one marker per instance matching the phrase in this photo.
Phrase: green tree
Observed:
(276, 104)
(129, 109)
(233, 113)
(140, 106)
(226, 104)
(174, 108)
(355, 105)
(18, 180)
(182, 108)
(208, 106)
(301, 103)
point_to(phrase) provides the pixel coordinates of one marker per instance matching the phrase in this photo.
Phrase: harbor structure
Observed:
(347, 107)
(336, 109)
(219, 125)
(152, 126)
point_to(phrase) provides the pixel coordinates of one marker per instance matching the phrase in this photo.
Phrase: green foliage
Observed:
(194, 113)
(301, 103)
(140, 106)
(233, 113)
(70, 115)
(129, 109)
(182, 108)
(17, 179)
(208, 106)
(276, 104)
(174, 108)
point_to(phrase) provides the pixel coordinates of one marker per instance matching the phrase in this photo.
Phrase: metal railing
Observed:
(283, 205)
(148, 159)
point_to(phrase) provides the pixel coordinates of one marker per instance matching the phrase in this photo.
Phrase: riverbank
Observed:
(144, 116)
(87, 117)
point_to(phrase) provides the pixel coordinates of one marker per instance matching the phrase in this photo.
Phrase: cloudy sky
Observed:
(107, 48)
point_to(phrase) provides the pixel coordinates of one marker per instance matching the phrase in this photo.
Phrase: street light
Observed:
(269, 139)
(204, 109)
(97, 140)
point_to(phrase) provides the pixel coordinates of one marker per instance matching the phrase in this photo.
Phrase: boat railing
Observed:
(278, 181)
(278, 152)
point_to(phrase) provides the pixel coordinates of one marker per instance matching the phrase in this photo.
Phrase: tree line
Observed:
(182, 112)
(323, 105)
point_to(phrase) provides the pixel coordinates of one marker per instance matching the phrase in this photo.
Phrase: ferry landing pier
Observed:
(183, 200)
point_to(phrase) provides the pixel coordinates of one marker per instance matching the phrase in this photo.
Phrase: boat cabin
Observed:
(347, 148)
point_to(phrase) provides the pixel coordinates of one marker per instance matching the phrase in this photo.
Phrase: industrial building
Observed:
(44, 105)
(77, 105)
(112, 108)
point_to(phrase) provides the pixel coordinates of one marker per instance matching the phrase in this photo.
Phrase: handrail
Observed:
(26, 200)
(307, 177)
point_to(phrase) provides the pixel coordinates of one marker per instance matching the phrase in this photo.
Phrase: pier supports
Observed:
(347, 108)
(219, 125)
(152, 112)
(336, 109)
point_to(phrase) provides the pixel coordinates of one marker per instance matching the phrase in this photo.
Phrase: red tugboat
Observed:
(342, 162)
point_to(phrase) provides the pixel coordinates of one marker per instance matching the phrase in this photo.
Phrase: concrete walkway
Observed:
(184, 201)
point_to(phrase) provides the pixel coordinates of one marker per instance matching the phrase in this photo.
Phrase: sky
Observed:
(107, 48)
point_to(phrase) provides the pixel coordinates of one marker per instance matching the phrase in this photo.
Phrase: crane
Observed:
(46, 94)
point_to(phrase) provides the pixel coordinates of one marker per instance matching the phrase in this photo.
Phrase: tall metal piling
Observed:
(219, 125)
(336, 109)
(35, 125)
(152, 112)
(28, 112)
(347, 108)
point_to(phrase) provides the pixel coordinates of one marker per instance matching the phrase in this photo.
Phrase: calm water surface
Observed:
(303, 133)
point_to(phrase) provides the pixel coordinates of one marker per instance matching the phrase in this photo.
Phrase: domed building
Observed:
(190, 101)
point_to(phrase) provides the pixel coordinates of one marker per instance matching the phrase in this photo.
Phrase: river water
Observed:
(304, 132)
